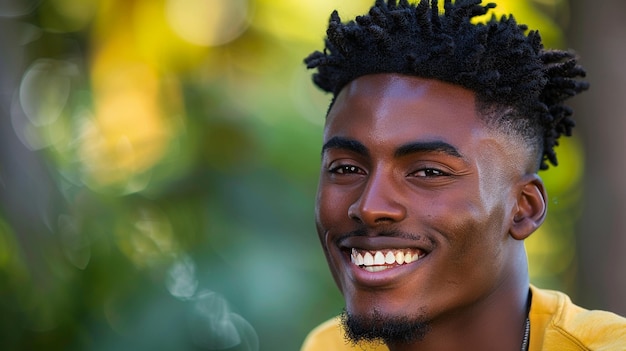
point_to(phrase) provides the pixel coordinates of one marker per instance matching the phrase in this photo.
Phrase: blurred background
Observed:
(159, 161)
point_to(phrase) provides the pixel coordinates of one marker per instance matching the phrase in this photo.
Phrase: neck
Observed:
(496, 322)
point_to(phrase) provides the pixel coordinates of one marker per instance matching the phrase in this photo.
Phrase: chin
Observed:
(377, 326)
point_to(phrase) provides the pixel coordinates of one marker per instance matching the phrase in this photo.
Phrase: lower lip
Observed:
(386, 277)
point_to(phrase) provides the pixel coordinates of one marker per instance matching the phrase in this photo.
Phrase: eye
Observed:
(346, 169)
(430, 173)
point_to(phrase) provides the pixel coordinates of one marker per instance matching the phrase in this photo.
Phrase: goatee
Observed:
(377, 328)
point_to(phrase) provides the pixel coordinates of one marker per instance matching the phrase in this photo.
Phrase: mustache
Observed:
(392, 233)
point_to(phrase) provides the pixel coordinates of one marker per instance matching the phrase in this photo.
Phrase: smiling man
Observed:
(428, 187)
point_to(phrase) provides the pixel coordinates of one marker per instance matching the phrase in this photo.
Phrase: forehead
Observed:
(386, 107)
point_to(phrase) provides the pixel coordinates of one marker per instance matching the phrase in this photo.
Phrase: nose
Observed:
(379, 203)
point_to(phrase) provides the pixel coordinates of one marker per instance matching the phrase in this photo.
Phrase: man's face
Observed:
(415, 200)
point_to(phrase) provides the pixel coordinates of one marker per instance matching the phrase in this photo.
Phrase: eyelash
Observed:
(431, 172)
(428, 172)
(345, 169)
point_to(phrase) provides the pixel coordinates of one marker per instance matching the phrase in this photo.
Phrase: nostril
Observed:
(355, 218)
(383, 219)
(353, 213)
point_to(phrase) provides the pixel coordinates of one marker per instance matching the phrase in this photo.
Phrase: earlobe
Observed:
(531, 207)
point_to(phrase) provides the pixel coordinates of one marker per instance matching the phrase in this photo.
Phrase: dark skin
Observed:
(408, 166)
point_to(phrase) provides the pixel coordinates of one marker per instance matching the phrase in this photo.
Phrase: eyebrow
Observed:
(428, 146)
(345, 144)
(404, 150)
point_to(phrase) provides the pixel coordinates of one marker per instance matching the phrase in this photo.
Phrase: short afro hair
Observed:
(511, 73)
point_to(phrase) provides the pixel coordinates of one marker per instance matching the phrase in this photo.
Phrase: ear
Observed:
(531, 207)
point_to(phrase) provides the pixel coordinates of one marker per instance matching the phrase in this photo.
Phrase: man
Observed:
(428, 187)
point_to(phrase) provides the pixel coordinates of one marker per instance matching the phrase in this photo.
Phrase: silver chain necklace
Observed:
(526, 335)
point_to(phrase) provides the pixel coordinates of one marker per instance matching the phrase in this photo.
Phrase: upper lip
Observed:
(384, 242)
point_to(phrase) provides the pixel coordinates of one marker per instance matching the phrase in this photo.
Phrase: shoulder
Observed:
(325, 336)
(329, 336)
(557, 320)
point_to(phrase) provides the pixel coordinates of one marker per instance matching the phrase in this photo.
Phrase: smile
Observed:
(380, 260)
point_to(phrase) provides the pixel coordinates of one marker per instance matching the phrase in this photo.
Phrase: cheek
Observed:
(331, 209)
(479, 252)
(323, 212)
(328, 214)
(472, 231)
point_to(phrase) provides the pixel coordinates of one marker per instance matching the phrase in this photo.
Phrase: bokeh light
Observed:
(208, 22)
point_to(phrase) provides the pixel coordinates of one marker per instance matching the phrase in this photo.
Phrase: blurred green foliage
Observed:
(159, 168)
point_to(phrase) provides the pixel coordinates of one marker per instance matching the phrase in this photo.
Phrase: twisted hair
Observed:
(521, 84)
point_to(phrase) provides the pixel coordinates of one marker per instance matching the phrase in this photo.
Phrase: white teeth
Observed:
(375, 268)
(390, 258)
(378, 261)
(408, 258)
(356, 258)
(368, 259)
(379, 258)
(400, 257)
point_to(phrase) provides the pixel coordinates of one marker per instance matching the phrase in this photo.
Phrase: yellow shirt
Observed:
(556, 324)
